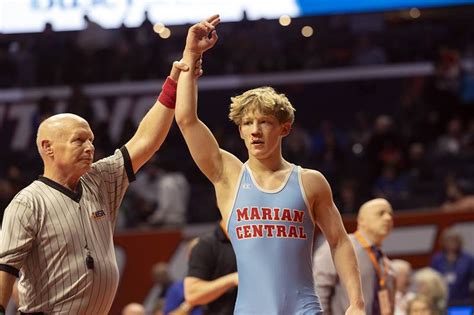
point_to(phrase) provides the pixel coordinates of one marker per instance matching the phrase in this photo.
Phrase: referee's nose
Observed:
(90, 148)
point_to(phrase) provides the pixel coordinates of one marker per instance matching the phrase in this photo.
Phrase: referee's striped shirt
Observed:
(45, 230)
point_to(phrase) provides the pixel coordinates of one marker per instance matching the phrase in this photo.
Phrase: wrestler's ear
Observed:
(286, 128)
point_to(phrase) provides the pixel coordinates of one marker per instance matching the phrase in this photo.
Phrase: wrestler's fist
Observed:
(198, 39)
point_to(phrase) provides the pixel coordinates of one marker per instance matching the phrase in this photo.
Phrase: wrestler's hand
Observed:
(198, 39)
(180, 66)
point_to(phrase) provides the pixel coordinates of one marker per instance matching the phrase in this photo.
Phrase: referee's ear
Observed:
(46, 147)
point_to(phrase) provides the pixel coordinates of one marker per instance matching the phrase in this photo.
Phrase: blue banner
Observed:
(316, 7)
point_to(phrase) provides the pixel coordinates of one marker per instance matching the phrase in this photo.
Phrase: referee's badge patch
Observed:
(98, 214)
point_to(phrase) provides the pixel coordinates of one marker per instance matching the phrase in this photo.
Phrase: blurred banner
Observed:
(25, 16)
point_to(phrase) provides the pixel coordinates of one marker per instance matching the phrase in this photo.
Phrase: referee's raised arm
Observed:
(155, 125)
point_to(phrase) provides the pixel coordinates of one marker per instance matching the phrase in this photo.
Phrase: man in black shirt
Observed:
(212, 274)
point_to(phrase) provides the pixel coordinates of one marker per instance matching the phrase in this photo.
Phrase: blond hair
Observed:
(421, 299)
(264, 100)
(436, 290)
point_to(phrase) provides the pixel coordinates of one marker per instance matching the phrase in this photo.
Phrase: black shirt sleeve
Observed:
(128, 164)
(202, 263)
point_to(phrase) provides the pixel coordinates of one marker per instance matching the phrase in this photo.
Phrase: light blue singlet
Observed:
(272, 235)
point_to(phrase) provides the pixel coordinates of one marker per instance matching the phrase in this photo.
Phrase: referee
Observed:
(57, 233)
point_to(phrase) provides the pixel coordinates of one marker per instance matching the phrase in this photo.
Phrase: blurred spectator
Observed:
(145, 31)
(96, 46)
(133, 309)
(448, 71)
(93, 37)
(403, 295)
(420, 166)
(175, 303)
(48, 51)
(159, 307)
(364, 23)
(457, 268)
(385, 146)
(25, 62)
(420, 305)
(450, 142)
(467, 140)
(361, 130)
(161, 282)
(297, 146)
(46, 108)
(141, 199)
(80, 104)
(467, 82)
(7, 64)
(366, 52)
(173, 192)
(348, 198)
(329, 146)
(430, 283)
(390, 185)
(411, 118)
(146, 184)
(455, 198)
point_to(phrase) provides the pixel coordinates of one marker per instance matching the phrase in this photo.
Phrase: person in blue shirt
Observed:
(457, 268)
(175, 302)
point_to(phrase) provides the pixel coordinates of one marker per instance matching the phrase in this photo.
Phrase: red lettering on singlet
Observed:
(298, 216)
(281, 231)
(257, 230)
(302, 233)
(276, 214)
(238, 231)
(292, 231)
(286, 215)
(247, 233)
(254, 214)
(266, 213)
(242, 214)
(269, 229)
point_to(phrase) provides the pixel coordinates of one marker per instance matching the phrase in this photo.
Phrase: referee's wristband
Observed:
(167, 96)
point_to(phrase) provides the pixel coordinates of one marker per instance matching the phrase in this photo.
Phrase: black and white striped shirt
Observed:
(45, 230)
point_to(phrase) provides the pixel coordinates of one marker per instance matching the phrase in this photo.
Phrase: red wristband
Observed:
(167, 96)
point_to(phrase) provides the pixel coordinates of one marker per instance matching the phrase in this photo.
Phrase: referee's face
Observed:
(74, 150)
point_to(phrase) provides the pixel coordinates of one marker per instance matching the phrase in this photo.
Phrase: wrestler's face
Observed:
(262, 133)
(74, 150)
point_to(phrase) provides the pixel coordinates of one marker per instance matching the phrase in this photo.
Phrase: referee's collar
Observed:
(76, 196)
